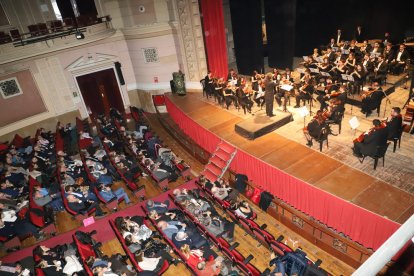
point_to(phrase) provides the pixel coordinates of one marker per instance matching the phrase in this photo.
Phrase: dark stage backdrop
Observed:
(318, 20)
(247, 33)
(280, 19)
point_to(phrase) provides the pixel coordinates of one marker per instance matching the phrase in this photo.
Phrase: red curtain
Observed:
(215, 36)
(361, 225)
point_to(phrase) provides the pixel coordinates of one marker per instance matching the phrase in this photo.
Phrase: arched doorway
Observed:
(100, 91)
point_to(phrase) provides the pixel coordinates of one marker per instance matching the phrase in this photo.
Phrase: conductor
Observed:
(269, 94)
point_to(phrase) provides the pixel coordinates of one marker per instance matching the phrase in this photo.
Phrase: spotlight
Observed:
(79, 35)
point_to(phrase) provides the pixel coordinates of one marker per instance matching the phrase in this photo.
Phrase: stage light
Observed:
(79, 35)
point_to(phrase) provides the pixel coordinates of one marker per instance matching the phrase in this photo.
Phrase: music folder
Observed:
(325, 74)
(314, 70)
(345, 52)
(347, 77)
(286, 87)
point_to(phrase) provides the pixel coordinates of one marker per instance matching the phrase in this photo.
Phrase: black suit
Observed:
(269, 96)
(389, 55)
(372, 102)
(369, 146)
(396, 67)
(394, 127)
(359, 37)
(381, 73)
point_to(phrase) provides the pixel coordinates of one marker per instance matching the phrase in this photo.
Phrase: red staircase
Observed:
(219, 161)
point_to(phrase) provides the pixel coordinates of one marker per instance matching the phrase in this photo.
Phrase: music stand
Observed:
(354, 124)
(325, 74)
(345, 52)
(334, 49)
(303, 112)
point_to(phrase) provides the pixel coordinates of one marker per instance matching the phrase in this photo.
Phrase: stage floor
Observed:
(334, 171)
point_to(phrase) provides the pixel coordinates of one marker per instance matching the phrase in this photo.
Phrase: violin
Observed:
(368, 93)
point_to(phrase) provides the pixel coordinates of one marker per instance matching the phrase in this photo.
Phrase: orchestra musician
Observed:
(243, 95)
(259, 94)
(398, 63)
(330, 55)
(359, 77)
(229, 97)
(255, 80)
(338, 70)
(331, 43)
(371, 98)
(269, 94)
(328, 87)
(376, 49)
(209, 84)
(388, 53)
(218, 90)
(276, 75)
(324, 66)
(350, 63)
(359, 35)
(230, 74)
(394, 124)
(315, 53)
(368, 67)
(314, 128)
(380, 70)
(288, 75)
(304, 93)
(367, 143)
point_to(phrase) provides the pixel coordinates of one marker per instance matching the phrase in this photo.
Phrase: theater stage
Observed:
(311, 167)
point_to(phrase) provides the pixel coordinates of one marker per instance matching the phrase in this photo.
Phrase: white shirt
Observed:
(399, 56)
(148, 263)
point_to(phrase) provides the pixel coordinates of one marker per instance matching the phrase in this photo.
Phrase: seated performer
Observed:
(258, 96)
(366, 144)
(394, 124)
(229, 96)
(314, 128)
(371, 99)
(304, 93)
(209, 84)
(380, 70)
(398, 63)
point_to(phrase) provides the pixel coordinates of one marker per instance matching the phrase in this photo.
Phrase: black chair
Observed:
(380, 153)
(397, 140)
(323, 136)
(337, 117)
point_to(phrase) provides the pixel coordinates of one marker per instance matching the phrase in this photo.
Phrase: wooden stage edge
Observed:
(308, 165)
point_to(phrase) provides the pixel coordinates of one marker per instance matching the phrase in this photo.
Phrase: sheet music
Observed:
(325, 74)
(319, 59)
(305, 58)
(260, 94)
(314, 70)
(286, 87)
